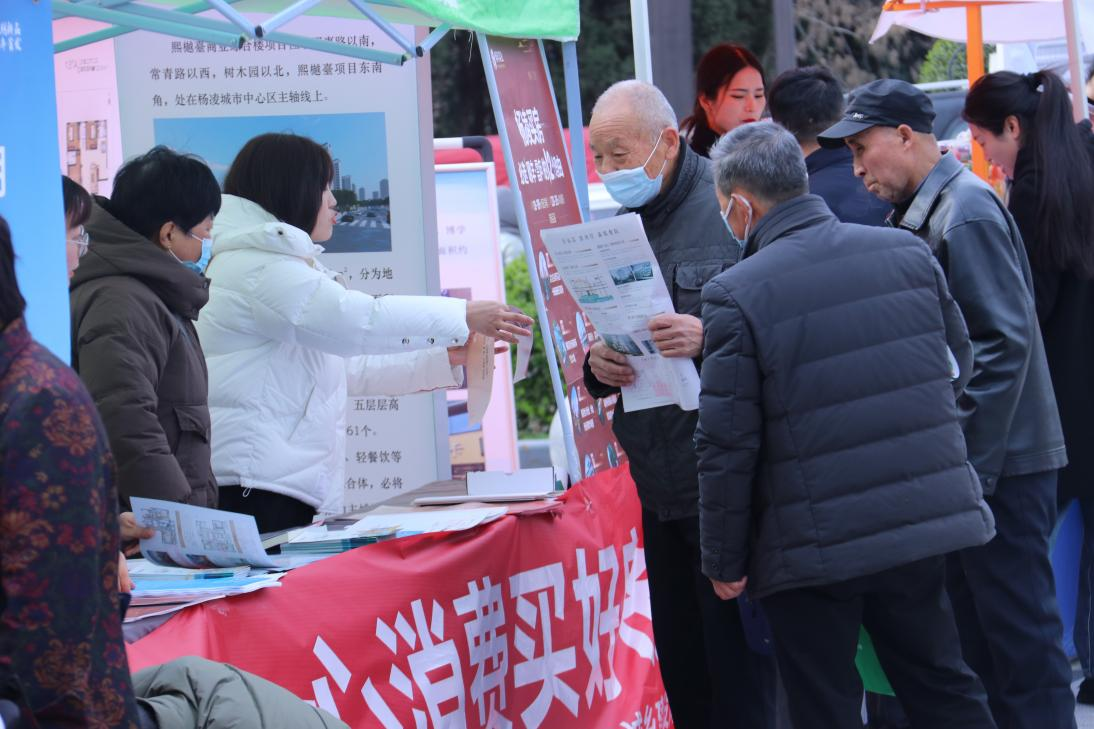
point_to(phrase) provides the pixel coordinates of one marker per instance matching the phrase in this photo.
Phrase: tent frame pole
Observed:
(640, 40)
(64, 8)
(974, 54)
(1074, 59)
(575, 120)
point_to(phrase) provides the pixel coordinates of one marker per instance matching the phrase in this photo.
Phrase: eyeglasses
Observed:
(81, 242)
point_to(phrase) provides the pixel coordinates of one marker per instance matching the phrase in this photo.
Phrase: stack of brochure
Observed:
(198, 538)
(323, 540)
(168, 592)
(144, 571)
(196, 554)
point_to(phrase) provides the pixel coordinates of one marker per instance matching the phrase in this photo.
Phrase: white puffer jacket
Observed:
(286, 343)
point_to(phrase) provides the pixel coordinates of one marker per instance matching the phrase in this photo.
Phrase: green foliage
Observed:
(831, 33)
(733, 21)
(946, 61)
(461, 105)
(535, 399)
(837, 35)
(345, 199)
(604, 53)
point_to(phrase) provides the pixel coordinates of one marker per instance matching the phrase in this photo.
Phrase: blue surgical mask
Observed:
(633, 188)
(201, 263)
(748, 222)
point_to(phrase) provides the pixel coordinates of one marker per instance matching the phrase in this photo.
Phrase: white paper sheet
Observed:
(192, 536)
(611, 271)
(423, 522)
(480, 377)
(522, 482)
(524, 356)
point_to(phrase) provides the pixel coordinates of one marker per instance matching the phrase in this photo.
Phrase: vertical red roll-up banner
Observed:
(541, 177)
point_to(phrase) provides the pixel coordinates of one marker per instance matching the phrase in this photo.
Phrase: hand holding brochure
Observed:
(192, 536)
(611, 271)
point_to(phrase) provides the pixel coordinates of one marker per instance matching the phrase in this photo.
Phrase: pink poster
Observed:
(470, 265)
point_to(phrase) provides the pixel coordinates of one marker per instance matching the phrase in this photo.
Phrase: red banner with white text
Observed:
(542, 178)
(536, 620)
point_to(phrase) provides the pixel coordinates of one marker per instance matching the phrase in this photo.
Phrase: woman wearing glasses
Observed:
(77, 211)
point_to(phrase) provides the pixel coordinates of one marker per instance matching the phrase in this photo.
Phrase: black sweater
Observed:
(1065, 309)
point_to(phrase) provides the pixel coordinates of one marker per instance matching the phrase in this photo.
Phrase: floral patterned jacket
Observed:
(62, 656)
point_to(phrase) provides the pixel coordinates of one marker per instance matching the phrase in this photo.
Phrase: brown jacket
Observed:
(135, 347)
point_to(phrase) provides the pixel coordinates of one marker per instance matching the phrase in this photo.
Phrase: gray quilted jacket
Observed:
(193, 692)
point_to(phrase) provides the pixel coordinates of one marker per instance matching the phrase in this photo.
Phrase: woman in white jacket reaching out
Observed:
(286, 341)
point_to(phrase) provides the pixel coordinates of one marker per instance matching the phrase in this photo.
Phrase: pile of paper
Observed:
(196, 537)
(322, 540)
(418, 521)
(201, 554)
(166, 591)
(145, 571)
(526, 484)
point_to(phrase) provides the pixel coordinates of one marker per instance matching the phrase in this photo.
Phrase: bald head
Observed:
(633, 125)
(643, 104)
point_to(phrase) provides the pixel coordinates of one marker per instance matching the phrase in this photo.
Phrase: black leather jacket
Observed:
(1008, 408)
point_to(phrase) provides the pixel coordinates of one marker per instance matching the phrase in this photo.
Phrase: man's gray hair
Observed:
(644, 102)
(762, 158)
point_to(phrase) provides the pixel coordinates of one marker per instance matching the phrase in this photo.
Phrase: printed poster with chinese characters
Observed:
(540, 173)
(210, 100)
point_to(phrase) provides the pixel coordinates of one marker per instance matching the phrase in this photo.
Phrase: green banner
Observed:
(548, 19)
(554, 19)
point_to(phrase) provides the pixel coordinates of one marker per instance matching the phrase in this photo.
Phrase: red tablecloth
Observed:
(535, 620)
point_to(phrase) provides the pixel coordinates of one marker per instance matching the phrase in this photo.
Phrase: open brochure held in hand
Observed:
(193, 536)
(611, 272)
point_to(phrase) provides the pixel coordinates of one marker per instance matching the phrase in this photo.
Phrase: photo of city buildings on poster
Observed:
(357, 143)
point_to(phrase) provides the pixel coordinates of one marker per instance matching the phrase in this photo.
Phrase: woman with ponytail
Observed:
(1025, 125)
(730, 85)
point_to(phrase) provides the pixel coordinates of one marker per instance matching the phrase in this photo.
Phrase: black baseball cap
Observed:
(882, 103)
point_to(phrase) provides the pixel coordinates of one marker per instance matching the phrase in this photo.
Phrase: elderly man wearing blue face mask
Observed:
(708, 668)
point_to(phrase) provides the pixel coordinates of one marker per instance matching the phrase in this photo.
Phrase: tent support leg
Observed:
(575, 120)
(974, 51)
(1075, 59)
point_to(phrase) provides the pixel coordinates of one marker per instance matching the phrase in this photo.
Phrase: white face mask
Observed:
(633, 188)
(748, 221)
(201, 263)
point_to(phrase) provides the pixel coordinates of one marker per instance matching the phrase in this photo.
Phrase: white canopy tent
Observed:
(1000, 21)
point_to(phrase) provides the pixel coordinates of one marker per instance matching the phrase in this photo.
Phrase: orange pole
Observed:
(916, 7)
(974, 55)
